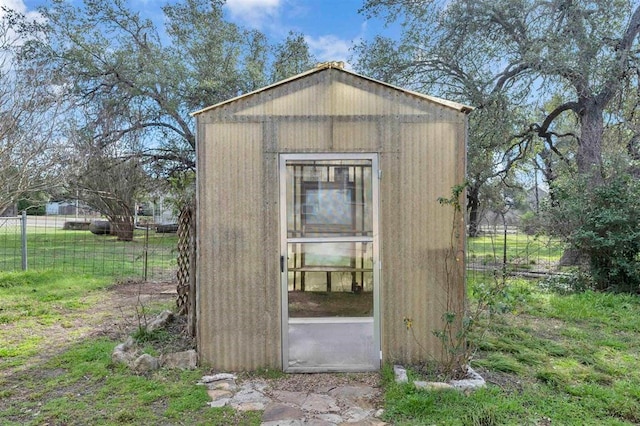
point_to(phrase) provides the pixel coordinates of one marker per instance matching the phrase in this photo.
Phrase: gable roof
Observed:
(339, 66)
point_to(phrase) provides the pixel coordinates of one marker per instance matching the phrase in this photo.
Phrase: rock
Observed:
(124, 352)
(217, 377)
(400, 374)
(324, 388)
(352, 392)
(186, 360)
(290, 408)
(295, 398)
(356, 414)
(219, 394)
(249, 399)
(365, 422)
(222, 381)
(247, 406)
(354, 395)
(318, 422)
(129, 343)
(277, 411)
(260, 386)
(432, 385)
(120, 357)
(229, 385)
(285, 423)
(218, 403)
(320, 404)
(160, 321)
(330, 417)
(473, 381)
(145, 363)
(379, 413)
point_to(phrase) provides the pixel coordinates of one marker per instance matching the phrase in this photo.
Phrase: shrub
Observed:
(602, 222)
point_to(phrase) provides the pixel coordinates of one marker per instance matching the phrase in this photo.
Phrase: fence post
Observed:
(24, 240)
(146, 251)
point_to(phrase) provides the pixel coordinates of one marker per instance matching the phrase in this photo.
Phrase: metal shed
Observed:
(319, 231)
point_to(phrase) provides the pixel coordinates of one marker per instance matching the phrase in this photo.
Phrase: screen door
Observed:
(329, 262)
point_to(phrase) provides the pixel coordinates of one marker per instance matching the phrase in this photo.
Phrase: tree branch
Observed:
(623, 50)
(543, 129)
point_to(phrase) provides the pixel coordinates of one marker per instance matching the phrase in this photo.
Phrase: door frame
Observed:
(284, 241)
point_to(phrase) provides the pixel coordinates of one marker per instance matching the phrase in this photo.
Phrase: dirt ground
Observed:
(336, 304)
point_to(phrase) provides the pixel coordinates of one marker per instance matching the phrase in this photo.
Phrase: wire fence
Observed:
(66, 244)
(509, 250)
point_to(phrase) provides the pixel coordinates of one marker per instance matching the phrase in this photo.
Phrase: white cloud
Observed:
(255, 13)
(20, 7)
(329, 48)
(17, 5)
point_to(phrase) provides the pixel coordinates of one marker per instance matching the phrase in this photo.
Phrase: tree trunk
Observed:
(589, 155)
(549, 173)
(473, 206)
(589, 162)
(573, 257)
(122, 227)
(633, 149)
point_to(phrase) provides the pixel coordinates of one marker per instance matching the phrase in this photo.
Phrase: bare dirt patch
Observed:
(126, 304)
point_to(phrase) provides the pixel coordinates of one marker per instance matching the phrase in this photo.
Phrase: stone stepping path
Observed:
(351, 404)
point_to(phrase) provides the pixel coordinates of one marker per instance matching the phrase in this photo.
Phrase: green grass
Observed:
(83, 386)
(567, 359)
(522, 249)
(36, 300)
(46, 296)
(571, 359)
(77, 383)
(84, 252)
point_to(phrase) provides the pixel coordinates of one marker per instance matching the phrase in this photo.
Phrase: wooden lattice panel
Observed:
(185, 248)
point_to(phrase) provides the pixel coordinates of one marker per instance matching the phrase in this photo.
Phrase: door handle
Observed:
(281, 263)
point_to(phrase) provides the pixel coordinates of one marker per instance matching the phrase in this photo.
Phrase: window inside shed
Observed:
(330, 231)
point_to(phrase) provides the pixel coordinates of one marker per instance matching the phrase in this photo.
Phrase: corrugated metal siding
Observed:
(303, 135)
(239, 293)
(417, 237)
(321, 70)
(329, 94)
(421, 147)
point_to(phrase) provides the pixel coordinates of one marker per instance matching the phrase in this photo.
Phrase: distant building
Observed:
(159, 208)
(68, 208)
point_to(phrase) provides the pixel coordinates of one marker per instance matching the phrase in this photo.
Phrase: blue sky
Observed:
(330, 27)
